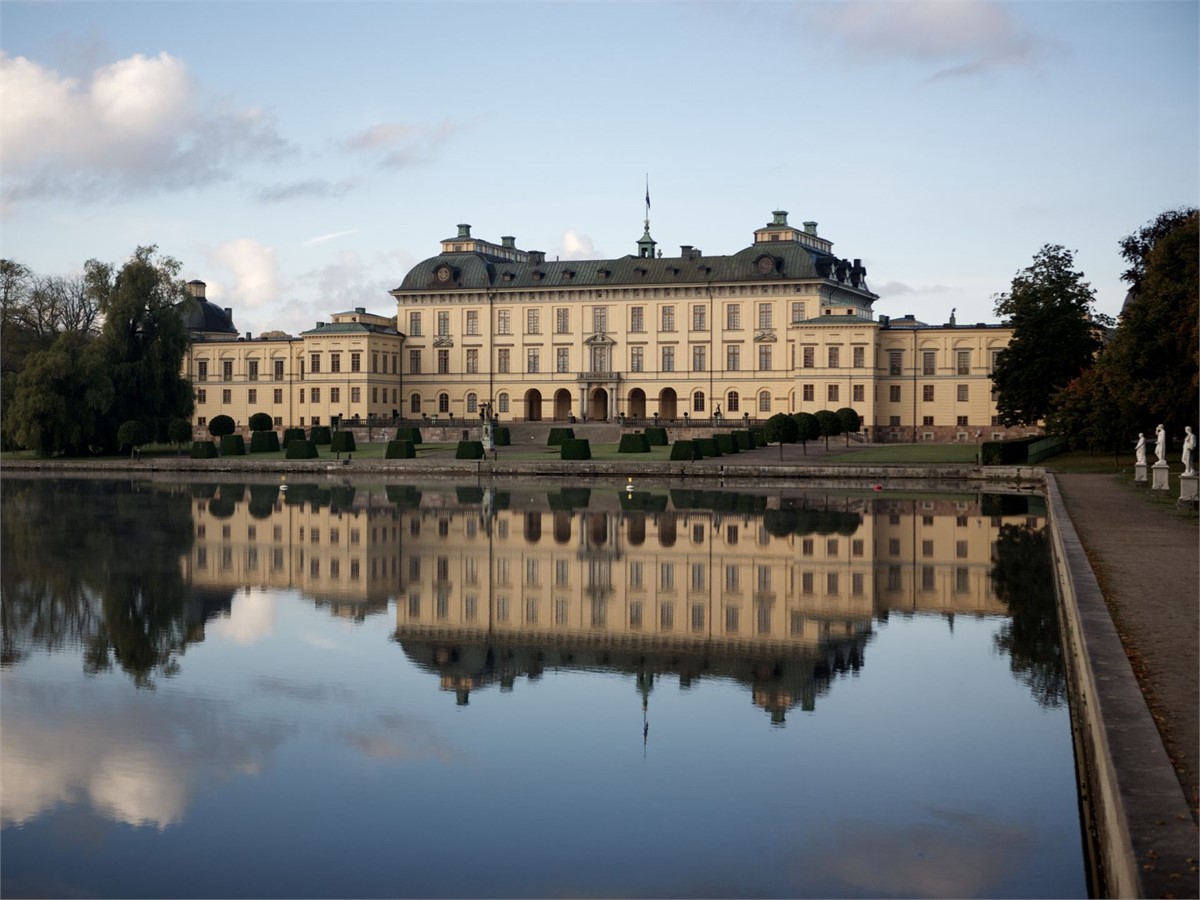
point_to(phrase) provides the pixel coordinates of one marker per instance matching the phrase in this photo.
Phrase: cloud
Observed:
(136, 125)
(320, 239)
(251, 618)
(399, 144)
(962, 37)
(577, 246)
(316, 188)
(897, 288)
(255, 270)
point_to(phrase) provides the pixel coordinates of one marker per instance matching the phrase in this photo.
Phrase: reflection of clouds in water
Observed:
(957, 854)
(309, 692)
(409, 738)
(136, 761)
(250, 619)
(323, 643)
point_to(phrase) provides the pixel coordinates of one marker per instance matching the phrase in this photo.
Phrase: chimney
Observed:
(537, 257)
(229, 312)
(196, 289)
(810, 228)
(360, 309)
(883, 321)
(249, 336)
(464, 232)
(508, 242)
(780, 217)
(685, 250)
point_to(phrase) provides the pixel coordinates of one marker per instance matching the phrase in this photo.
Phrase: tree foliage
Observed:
(1056, 334)
(783, 429)
(219, 426)
(829, 423)
(261, 422)
(810, 429)
(131, 434)
(851, 421)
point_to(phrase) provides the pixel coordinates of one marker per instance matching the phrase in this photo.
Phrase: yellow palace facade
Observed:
(783, 325)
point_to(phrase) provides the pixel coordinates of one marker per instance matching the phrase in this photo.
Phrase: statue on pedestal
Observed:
(1189, 450)
(1139, 450)
(1160, 445)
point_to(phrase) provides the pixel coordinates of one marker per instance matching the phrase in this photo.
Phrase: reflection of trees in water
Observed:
(96, 565)
(1023, 580)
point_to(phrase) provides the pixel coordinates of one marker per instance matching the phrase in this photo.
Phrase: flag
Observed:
(647, 194)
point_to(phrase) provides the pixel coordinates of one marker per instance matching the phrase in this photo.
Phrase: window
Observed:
(314, 363)
(926, 420)
(356, 362)
(637, 318)
(226, 396)
(202, 370)
(962, 420)
(414, 324)
(374, 395)
(502, 360)
(699, 318)
(927, 392)
(928, 362)
(443, 323)
(279, 370)
(832, 393)
(963, 393)
(859, 356)
(335, 362)
(472, 321)
(764, 315)
(301, 395)
(562, 320)
(443, 403)
(600, 318)
(732, 402)
(375, 362)
(699, 358)
(668, 318)
(894, 421)
(733, 358)
(201, 421)
(335, 395)
(995, 357)
(764, 401)
(414, 404)
(227, 370)
(636, 358)
(859, 394)
(809, 357)
(252, 369)
(503, 321)
(355, 395)
(797, 313)
(764, 358)
(835, 357)
(809, 393)
(562, 359)
(472, 362)
(533, 321)
(894, 393)
(668, 359)
(316, 395)
(960, 549)
(316, 420)
(895, 362)
(414, 361)
(733, 315)
(698, 402)
(964, 362)
(201, 396)
(443, 362)
(277, 395)
(531, 360)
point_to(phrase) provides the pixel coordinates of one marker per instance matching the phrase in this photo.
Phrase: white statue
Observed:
(1160, 445)
(1189, 449)
(1139, 449)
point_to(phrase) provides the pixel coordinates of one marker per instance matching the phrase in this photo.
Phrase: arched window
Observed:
(443, 403)
(472, 406)
(698, 401)
(732, 401)
(764, 401)
(502, 401)
(414, 404)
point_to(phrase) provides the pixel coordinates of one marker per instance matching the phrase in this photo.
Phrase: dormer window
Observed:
(507, 276)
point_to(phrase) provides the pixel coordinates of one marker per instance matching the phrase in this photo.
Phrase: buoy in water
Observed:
(629, 485)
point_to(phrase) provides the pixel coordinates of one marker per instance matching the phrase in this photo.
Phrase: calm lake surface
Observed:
(360, 690)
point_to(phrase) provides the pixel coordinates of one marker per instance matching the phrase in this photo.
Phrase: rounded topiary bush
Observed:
(292, 434)
(204, 450)
(321, 435)
(575, 448)
(301, 449)
(261, 422)
(343, 442)
(502, 436)
(708, 446)
(744, 439)
(558, 435)
(400, 450)
(264, 442)
(469, 450)
(233, 445)
(686, 450)
(409, 433)
(219, 426)
(634, 443)
(727, 443)
(657, 437)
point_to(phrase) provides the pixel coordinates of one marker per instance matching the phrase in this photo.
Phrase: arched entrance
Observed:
(667, 404)
(562, 405)
(533, 405)
(637, 404)
(598, 405)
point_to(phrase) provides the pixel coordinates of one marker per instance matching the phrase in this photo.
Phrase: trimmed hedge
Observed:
(301, 449)
(264, 442)
(321, 435)
(292, 434)
(471, 495)
(233, 445)
(744, 439)
(502, 436)
(469, 450)
(569, 498)
(343, 442)
(657, 437)
(760, 436)
(410, 433)
(634, 443)
(1013, 452)
(558, 435)
(204, 450)
(686, 450)
(709, 446)
(727, 442)
(400, 450)
(575, 448)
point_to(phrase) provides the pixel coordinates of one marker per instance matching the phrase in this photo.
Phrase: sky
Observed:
(301, 157)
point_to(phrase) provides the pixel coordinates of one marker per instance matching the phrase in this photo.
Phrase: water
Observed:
(361, 691)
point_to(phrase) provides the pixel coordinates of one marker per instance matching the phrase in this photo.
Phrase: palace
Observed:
(783, 325)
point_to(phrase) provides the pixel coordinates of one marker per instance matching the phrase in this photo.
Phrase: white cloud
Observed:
(251, 618)
(133, 125)
(577, 246)
(320, 239)
(254, 268)
(399, 144)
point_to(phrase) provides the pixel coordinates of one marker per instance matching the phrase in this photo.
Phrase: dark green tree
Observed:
(830, 424)
(851, 421)
(131, 434)
(810, 429)
(782, 428)
(179, 432)
(219, 426)
(1056, 334)
(261, 422)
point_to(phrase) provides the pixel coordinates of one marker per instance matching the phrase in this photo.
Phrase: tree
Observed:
(829, 423)
(179, 432)
(219, 426)
(1092, 412)
(131, 434)
(782, 428)
(851, 421)
(261, 422)
(810, 429)
(1055, 335)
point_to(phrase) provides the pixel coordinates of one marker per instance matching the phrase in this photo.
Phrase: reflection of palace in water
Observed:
(778, 593)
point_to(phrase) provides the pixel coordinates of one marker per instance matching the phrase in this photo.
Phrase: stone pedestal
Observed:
(1159, 469)
(1139, 473)
(1187, 488)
